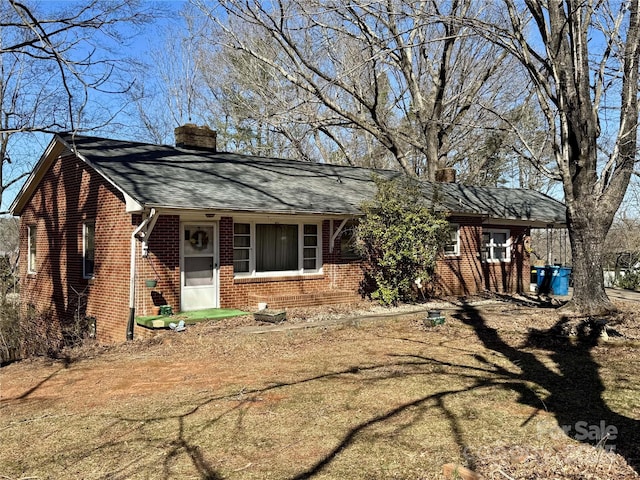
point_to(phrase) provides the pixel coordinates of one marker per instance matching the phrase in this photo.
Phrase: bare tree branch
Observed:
(407, 74)
(53, 60)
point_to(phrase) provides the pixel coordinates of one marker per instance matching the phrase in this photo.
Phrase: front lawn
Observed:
(491, 389)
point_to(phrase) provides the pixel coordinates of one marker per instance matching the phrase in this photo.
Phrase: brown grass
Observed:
(386, 398)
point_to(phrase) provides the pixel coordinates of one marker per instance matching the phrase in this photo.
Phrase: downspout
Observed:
(132, 272)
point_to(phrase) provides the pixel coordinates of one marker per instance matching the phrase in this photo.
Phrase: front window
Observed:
(495, 245)
(31, 248)
(452, 246)
(276, 247)
(263, 248)
(88, 249)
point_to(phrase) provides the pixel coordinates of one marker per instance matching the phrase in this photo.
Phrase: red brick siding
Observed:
(466, 274)
(69, 194)
(462, 274)
(510, 276)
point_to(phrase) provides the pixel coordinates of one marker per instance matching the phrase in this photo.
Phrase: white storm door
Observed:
(199, 273)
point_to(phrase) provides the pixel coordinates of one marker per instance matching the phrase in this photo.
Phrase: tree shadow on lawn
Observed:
(182, 444)
(576, 398)
(576, 390)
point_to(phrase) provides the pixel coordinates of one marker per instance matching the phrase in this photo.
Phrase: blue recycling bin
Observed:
(545, 275)
(553, 280)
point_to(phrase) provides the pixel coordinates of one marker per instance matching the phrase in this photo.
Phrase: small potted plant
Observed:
(434, 317)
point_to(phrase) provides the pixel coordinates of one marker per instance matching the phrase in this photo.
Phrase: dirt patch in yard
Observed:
(497, 388)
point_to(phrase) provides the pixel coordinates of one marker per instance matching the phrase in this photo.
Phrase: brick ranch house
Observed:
(222, 230)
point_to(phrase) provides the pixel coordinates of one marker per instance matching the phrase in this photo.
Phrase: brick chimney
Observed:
(446, 175)
(195, 137)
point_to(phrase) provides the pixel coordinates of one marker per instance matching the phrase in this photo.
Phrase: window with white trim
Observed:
(452, 247)
(88, 248)
(310, 252)
(276, 248)
(241, 247)
(31, 248)
(496, 245)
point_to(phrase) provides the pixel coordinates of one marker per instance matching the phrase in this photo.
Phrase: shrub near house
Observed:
(400, 240)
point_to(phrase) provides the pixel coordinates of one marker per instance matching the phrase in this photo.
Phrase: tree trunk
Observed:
(588, 232)
(432, 153)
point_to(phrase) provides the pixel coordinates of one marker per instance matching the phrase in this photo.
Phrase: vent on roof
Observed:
(195, 137)
(446, 175)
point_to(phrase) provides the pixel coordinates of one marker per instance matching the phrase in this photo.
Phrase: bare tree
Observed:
(253, 105)
(623, 238)
(173, 91)
(582, 60)
(53, 59)
(498, 156)
(408, 75)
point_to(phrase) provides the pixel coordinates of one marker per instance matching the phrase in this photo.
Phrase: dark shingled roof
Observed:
(166, 176)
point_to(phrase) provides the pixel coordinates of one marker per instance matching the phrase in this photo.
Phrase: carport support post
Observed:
(132, 286)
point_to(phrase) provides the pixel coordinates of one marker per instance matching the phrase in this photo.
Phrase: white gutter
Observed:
(132, 269)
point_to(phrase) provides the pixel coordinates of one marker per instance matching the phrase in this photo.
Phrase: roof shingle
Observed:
(170, 177)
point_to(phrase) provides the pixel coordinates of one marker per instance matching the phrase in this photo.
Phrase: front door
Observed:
(199, 275)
